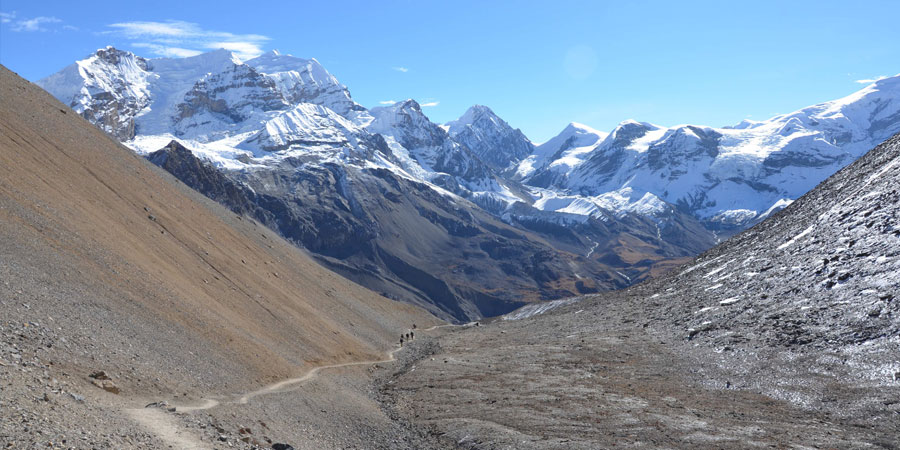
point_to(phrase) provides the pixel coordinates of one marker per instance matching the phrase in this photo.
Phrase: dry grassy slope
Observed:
(194, 295)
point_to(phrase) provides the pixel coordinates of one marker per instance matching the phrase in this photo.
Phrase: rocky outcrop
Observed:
(231, 96)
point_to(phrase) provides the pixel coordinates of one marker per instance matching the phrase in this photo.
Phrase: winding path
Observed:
(165, 426)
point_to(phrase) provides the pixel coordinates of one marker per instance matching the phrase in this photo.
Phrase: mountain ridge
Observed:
(731, 176)
(622, 204)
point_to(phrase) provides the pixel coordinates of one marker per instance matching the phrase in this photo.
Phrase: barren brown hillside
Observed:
(108, 263)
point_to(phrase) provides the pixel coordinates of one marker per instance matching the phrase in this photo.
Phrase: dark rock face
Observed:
(417, 130)
(114, 56)
(395, 236)
(459, 161)
(113, 116)
(179, 161)
(409, 242)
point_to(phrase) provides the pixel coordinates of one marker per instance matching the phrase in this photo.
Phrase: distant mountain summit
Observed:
(108, 88)
(557, 155)
(306, 81)
(490, 137)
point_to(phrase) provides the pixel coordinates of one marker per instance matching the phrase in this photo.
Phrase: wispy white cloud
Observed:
(871, 80)
(156, 29)
(166, 51)
(387, 102)
(242, 49)
(177, 38)
(28, 25)
(429, 104)
(400, 69)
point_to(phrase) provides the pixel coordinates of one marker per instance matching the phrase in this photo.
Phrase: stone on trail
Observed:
(106, 385)
(100, 375)
(282, 447)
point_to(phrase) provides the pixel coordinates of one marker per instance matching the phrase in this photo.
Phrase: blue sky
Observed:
(539, 65)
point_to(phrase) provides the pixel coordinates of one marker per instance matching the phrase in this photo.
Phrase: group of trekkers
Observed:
(409, 336)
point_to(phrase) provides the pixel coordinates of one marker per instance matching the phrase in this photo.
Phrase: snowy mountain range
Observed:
(610, 207)
(730, 176)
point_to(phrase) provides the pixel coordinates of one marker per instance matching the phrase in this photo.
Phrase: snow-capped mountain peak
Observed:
(568, 147)
(580, 128)
(492, 139)
(634, 135)
(406, 122)
(473, 114)
(108, 88)
(583, 136)
(302, 80)
(422, 143)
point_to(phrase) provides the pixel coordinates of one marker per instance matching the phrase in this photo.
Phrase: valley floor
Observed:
(603, 380)
(598, 381)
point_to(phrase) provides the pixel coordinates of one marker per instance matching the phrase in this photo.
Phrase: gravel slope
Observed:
(109, 264)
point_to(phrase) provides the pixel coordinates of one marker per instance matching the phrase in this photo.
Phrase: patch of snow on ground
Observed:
(796, 238)
(537, 309)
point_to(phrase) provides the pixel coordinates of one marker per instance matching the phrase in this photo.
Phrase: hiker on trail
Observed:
(414, 326)
(412, 335)
(401, 340)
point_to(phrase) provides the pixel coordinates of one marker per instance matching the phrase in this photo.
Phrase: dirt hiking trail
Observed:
(165, 425)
